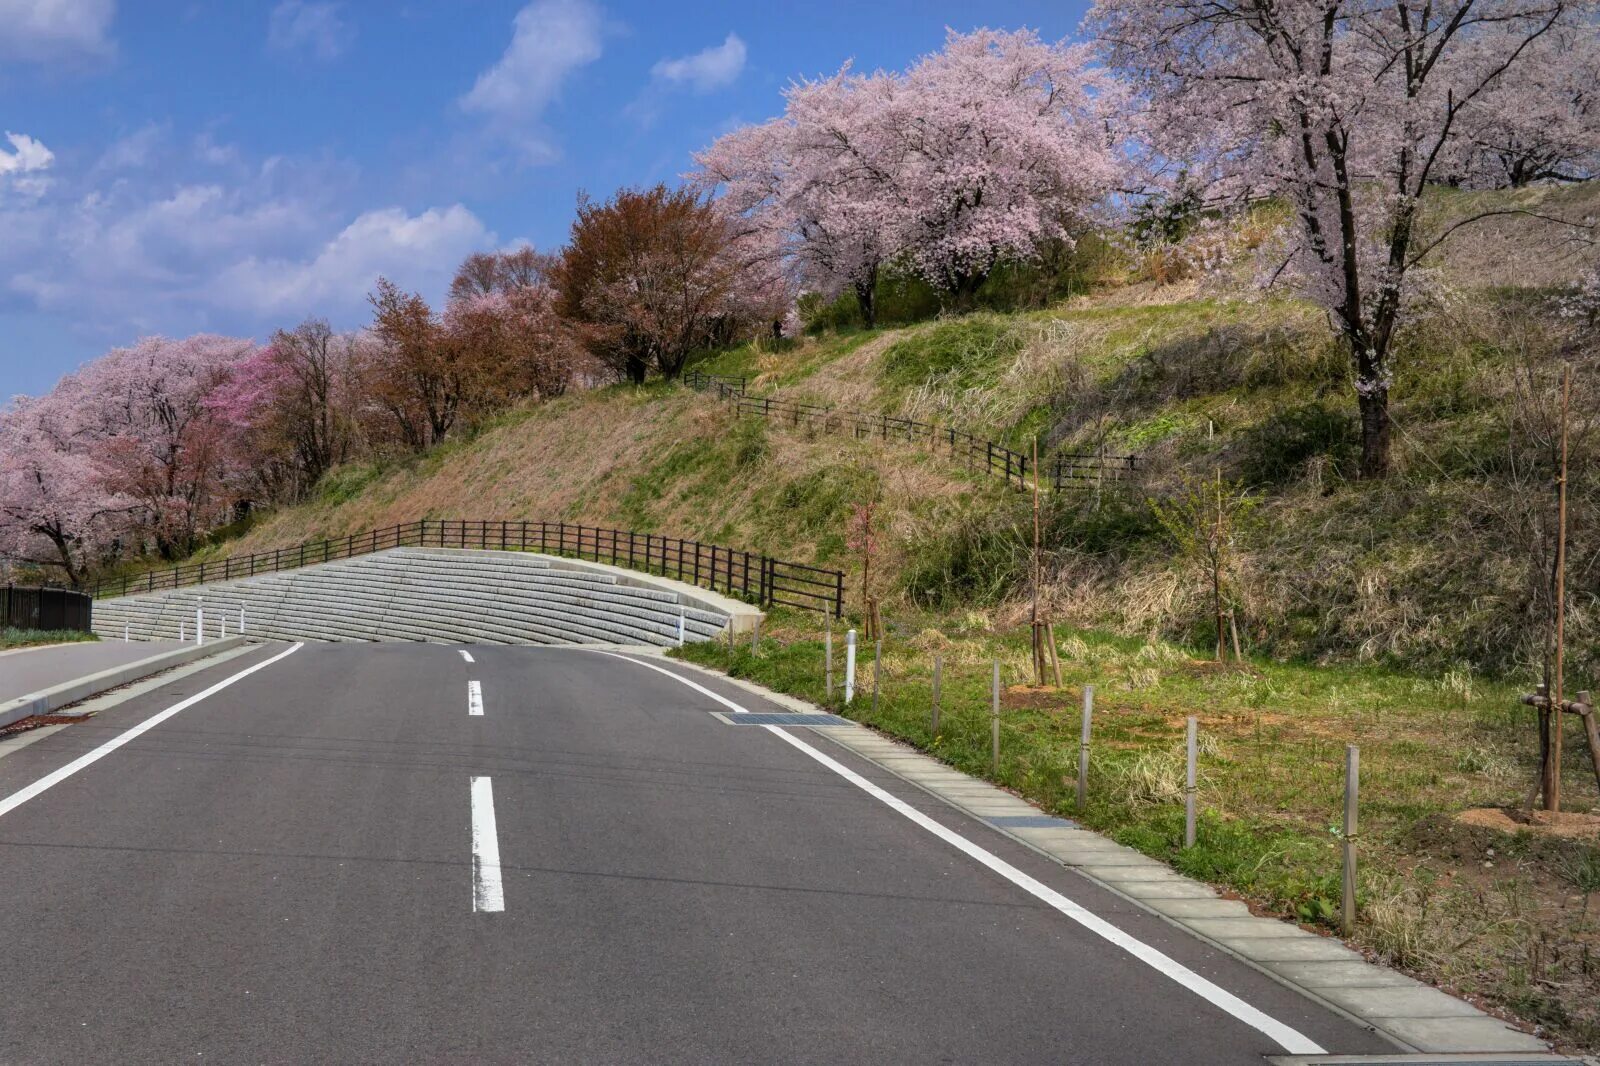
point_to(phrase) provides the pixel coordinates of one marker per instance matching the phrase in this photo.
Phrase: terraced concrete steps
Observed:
(436, 595)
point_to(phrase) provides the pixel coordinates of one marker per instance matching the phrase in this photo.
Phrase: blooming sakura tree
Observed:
(145, 419)
(53, 511)
(1345, 110)
(1543, 123)
(288, 411)
(1004, 139)
(815, 184)
(979, 153)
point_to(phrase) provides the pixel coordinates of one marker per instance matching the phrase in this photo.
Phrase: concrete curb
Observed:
(1415, 1016)
(55, 697)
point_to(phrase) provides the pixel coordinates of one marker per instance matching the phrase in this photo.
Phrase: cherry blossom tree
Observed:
(1347, 111)
(815, 184)
(1005, 139)
(1542, 123)
(53, 511)
(153, 435)
(979, 153)
(288, 411)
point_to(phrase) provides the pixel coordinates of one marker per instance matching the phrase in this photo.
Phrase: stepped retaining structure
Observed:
(439, 595)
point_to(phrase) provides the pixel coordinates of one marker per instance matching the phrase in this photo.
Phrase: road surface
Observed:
(347, 853)
(24, 671)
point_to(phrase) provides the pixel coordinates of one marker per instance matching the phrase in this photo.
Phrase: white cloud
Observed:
(708, 69)
(137, 149)
(550, 40)
(23, 168)
(313, 28)
(415, 251)
(45, 30)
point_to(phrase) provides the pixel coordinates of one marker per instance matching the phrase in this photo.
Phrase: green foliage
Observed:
(1275, 451)
(25, 638)
(967, 352)
(987, 555)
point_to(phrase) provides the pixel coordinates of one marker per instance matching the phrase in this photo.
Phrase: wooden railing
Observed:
(758, 578)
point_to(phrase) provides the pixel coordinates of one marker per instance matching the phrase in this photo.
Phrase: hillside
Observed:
(1427, 569)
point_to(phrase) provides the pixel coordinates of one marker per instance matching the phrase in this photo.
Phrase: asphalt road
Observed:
(298, 868)
(25, 671)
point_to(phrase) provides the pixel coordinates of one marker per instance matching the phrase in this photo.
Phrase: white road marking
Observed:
(474, 698)
(1291, 1040)
(21, 796)
(487, 893)
(467, 655)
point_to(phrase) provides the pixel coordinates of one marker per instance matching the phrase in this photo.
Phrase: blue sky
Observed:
(171, 167)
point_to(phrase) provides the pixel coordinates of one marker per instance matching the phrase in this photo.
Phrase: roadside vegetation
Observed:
(27, 638)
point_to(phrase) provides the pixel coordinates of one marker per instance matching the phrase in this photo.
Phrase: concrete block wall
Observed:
(436, 595)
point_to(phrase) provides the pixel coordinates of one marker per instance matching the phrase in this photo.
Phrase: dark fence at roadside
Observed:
(45, 608)
(758, 578)
(1060, 470)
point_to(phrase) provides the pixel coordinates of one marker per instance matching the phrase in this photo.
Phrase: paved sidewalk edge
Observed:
(1416, 1017)
(51, 699)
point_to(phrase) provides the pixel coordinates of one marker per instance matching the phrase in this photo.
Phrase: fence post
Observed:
(994, 720)
(828, 658)
(1189, 785)
(1352, 784)
(850, 667)
(877, 657)
(755, 637)
(1083, 747)
(938, 677)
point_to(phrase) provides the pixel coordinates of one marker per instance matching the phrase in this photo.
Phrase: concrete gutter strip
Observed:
(1416, 1017)
(47, 701)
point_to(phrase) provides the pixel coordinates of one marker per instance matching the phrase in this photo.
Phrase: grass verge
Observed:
(27, 638)
(1497, 915)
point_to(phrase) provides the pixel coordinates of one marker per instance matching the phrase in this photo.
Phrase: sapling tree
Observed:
(1345, 111)
(1205, 520)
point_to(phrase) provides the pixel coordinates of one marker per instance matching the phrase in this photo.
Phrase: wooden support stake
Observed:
(938, 673)
(1083, 747)
(877, 657)
(828, 656)
(1192, 749)
(1552, 796)
(994, 720)
(1352, 785)
(1055, 659)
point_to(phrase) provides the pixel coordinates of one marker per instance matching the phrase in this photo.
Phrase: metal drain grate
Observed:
(780, 718)
(1030, 821)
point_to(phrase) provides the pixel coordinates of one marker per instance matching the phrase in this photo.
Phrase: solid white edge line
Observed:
(734, 707)
(487, 892)
(21, 796)
(474, 698)
(1291, 1040)
(467, 655)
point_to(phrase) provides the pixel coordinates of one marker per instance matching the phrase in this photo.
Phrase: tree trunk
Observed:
(867, 298)
(964, 291)
(1375, 428)
(637, 369)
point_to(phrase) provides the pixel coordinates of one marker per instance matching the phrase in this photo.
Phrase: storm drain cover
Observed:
(779, 718)
(1030, 821)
